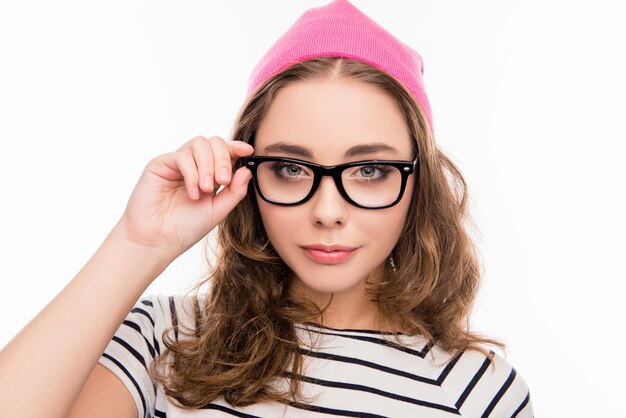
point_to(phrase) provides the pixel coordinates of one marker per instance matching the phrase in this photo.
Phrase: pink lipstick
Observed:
(329, 254)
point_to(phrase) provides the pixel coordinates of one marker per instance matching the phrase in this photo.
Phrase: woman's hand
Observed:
(175, 203)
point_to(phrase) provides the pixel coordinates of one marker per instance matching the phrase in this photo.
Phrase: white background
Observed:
(527, 97)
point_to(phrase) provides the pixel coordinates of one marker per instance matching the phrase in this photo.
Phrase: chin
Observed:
(326, 282)
(323, 279)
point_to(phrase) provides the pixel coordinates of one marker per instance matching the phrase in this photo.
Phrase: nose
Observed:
(328, 207)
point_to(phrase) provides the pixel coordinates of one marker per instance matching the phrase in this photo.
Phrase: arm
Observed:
(103, 396)
(44, 368)
(51, 364)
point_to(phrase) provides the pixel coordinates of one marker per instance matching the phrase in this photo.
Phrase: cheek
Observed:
(278, 222)
(387, 224)
(384, 229)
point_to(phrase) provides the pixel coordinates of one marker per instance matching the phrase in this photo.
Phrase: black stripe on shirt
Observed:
(160, 414)
(174, 316)
(131, 350)
(229, 411)
(522, 405)
(143, 312)
(132, 379)
(137, 328)
(446, 371)
(500, 393)
(332, 411)
(473, 382)
(157, 347)
(421, 353)
(147, 315)
(369, 389)
(135, 354)
(363, 331)
(197, 317)
(369, 364)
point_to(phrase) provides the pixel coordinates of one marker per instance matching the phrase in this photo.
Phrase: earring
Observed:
(393, 265)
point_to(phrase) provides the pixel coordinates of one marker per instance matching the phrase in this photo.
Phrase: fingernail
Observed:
(225, 174)
(208, 181)
(195, 193)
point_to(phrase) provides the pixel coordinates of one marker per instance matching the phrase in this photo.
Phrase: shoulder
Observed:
(140, 339)
(169, 311)
(484, 384)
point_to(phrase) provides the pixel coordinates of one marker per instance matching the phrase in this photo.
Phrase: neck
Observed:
(350, 309)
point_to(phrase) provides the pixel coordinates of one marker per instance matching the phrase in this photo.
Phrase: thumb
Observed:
(231, 195)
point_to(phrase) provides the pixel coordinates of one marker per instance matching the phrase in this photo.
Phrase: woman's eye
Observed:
(288, 170)
(293, 170)
(370, 172)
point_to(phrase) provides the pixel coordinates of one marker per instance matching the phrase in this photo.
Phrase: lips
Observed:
(329, 254)
(328, 248)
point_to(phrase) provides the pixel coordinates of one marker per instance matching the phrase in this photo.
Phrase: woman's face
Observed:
(326, 119)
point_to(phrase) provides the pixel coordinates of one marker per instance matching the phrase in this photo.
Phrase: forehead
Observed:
(330, 117)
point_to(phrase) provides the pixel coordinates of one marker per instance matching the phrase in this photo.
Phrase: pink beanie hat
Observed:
(340, 29)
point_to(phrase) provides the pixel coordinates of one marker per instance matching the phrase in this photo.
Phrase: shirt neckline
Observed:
(348, 330)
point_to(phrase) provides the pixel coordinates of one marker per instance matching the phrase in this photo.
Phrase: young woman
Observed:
(344, 275)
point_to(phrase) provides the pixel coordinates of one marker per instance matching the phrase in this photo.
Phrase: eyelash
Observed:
(384, 172)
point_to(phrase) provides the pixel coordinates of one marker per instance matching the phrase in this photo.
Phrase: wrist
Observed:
(153, 254)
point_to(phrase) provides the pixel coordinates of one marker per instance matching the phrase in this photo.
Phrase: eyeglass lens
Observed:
(368, 185)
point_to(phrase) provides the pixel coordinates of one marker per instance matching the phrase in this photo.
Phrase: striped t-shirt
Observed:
(352, 373)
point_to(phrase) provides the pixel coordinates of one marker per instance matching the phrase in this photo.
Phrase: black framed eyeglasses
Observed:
(368, 184)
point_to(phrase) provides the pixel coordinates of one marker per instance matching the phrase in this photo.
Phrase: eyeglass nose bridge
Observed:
(334, 172)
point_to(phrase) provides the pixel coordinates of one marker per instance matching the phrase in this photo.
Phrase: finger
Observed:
(187, 166)
(231, 195)
(221, 160)
(239, 149)
(202, 152)
(189, 144)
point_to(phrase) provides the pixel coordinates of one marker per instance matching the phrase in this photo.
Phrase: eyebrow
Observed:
(354, 151)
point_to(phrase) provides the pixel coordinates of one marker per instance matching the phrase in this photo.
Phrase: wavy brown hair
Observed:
(244, 336)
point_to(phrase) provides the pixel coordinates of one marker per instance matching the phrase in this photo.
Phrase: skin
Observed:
(328, 117)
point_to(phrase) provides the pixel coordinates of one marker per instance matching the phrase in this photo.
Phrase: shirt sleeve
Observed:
(133, 349)
(482, 385)
(512, 393)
